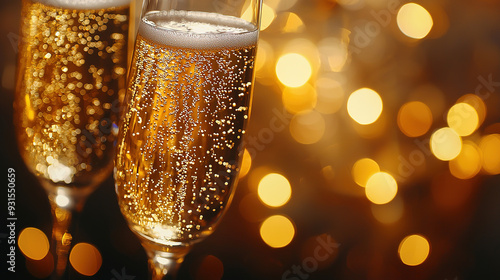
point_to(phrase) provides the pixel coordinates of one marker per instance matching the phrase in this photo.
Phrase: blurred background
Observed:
(373, 152)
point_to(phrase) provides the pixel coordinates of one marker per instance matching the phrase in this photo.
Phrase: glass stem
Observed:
(164, 265)
(64, 210)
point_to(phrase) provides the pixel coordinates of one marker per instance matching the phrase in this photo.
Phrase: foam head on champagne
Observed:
(197, 30)
(85, 4)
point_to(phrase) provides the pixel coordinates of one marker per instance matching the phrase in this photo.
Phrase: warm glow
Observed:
(363, 169)
(281, 5)
(414, 119)
(268, 15)
(246, 163)
(330, 95)
(274, 190)
(264, 55)
(381, 188)
(490, 148)
(33, 243)
(62, 200)
(277, 231)
(293, 70)
(476, 102)
(414, 250)
(85, 258)
(299, 99)
(388, 213)
(463, 118)
(334, 53)
(446, 144)
(307, 127)
(414, 21)
(292, 23)
(211, 268)
(468, 163)
(364, 106)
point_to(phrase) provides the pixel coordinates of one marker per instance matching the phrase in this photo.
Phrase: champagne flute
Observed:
(70, 78)
(180, 140)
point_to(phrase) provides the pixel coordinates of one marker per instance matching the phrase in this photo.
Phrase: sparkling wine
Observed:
(180, 140)
(71, 74)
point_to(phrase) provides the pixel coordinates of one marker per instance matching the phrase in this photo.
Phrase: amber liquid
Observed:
(180, 142)
(71, 74)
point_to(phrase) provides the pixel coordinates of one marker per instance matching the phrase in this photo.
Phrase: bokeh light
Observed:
(267, 17)
(330, 95)
(264, 55)
(446, 144)
(281, 5)
(490, 149)
(463, 118)
(62, 200)
(334, 53)
(388, 213)
(293, 70)
(277, 231)
(414, 119)
(41, 269)
(299, 99)
(274, 190)
(246, 164)
(33, 243)
(363, 169)
(291, 22)
(307, 127)
(381, 188)
(85, 258)
(364, 106)
(414, 250)
(468, 163)
(414, 21)
(211, 268)
(476, 102)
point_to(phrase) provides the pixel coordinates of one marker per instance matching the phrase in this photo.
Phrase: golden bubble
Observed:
(463, 118)
(307, 127)
(446, 144)
(414, 250)
(364, 106)
(330, 95)
(299, 99)
(85, 258)
(468, 163)
(414, 119)
(414, 21)
(33, 243)
(293, 70)
(363, 169)
(274, 190)
(277, 231)
(490, 148)
(381, 188)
